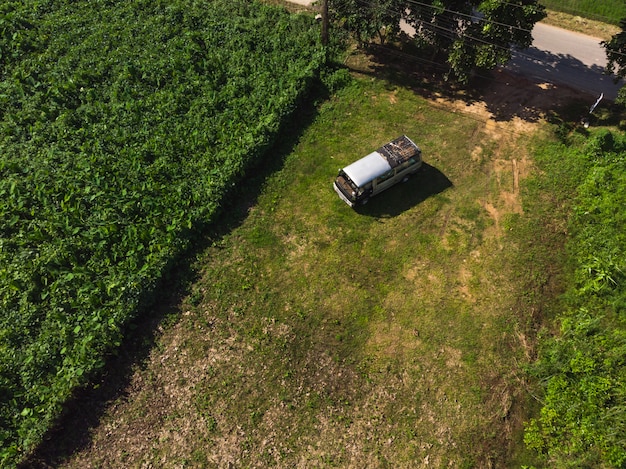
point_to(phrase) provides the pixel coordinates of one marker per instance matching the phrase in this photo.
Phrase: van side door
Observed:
(384, 181)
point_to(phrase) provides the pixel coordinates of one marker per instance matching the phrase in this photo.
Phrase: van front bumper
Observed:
(342, 196)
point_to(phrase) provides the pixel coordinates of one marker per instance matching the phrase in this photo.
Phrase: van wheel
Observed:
(365, 200)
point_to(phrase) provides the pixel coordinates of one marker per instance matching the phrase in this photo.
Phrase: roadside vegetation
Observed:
(581, 24)
(582, 367)
(463, 37)
(606, 11)
(122, 127)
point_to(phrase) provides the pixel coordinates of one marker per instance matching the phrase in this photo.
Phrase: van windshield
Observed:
(346, 185)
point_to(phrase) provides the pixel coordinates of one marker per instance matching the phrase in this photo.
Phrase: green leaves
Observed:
(122, 126)
(583, 417)
(616, 57)
(463, 36)
(379, 19)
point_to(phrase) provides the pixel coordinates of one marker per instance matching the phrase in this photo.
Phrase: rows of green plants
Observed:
(123, 125)
(582, 368)
(608, 11)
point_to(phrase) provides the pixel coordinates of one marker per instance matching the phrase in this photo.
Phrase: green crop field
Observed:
(123, 124)
(608, 11)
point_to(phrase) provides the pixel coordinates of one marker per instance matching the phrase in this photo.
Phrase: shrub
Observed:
(582, 422)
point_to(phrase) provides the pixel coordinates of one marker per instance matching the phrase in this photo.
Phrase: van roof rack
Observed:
(399, 150)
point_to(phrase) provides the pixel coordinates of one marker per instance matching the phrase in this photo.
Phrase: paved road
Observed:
(561, 56)
(558, 56)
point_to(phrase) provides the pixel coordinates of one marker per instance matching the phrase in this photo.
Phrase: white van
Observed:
(390, 164)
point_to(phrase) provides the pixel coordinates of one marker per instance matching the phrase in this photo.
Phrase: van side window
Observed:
(385, 176)
(409, 162)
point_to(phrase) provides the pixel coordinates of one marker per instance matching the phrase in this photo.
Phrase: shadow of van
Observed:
(427, 182)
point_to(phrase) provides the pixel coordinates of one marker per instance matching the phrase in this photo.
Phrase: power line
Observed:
(471, 17)
(585, 14)
(450, 20)
(568, 9)
(452, 34)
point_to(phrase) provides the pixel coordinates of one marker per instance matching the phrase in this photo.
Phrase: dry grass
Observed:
(586, 26)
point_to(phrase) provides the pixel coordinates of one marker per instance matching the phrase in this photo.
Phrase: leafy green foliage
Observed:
(467, 35)
(607, 11)
(122, 127)
(366, 20)
(616, 56)
(582, 421)
(583, 370)
(485, 32)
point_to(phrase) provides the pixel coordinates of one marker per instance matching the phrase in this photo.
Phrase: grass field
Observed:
(608, 11)
(599, 29)
(389, 336)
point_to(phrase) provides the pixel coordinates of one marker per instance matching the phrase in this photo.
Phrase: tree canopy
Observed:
(616, 56)
(466, 34)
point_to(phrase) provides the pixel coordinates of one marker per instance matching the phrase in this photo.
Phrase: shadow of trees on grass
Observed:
(535, 85)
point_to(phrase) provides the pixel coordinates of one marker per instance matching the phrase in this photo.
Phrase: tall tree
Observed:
(468, 34)
(616, 55)
(369, 19)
